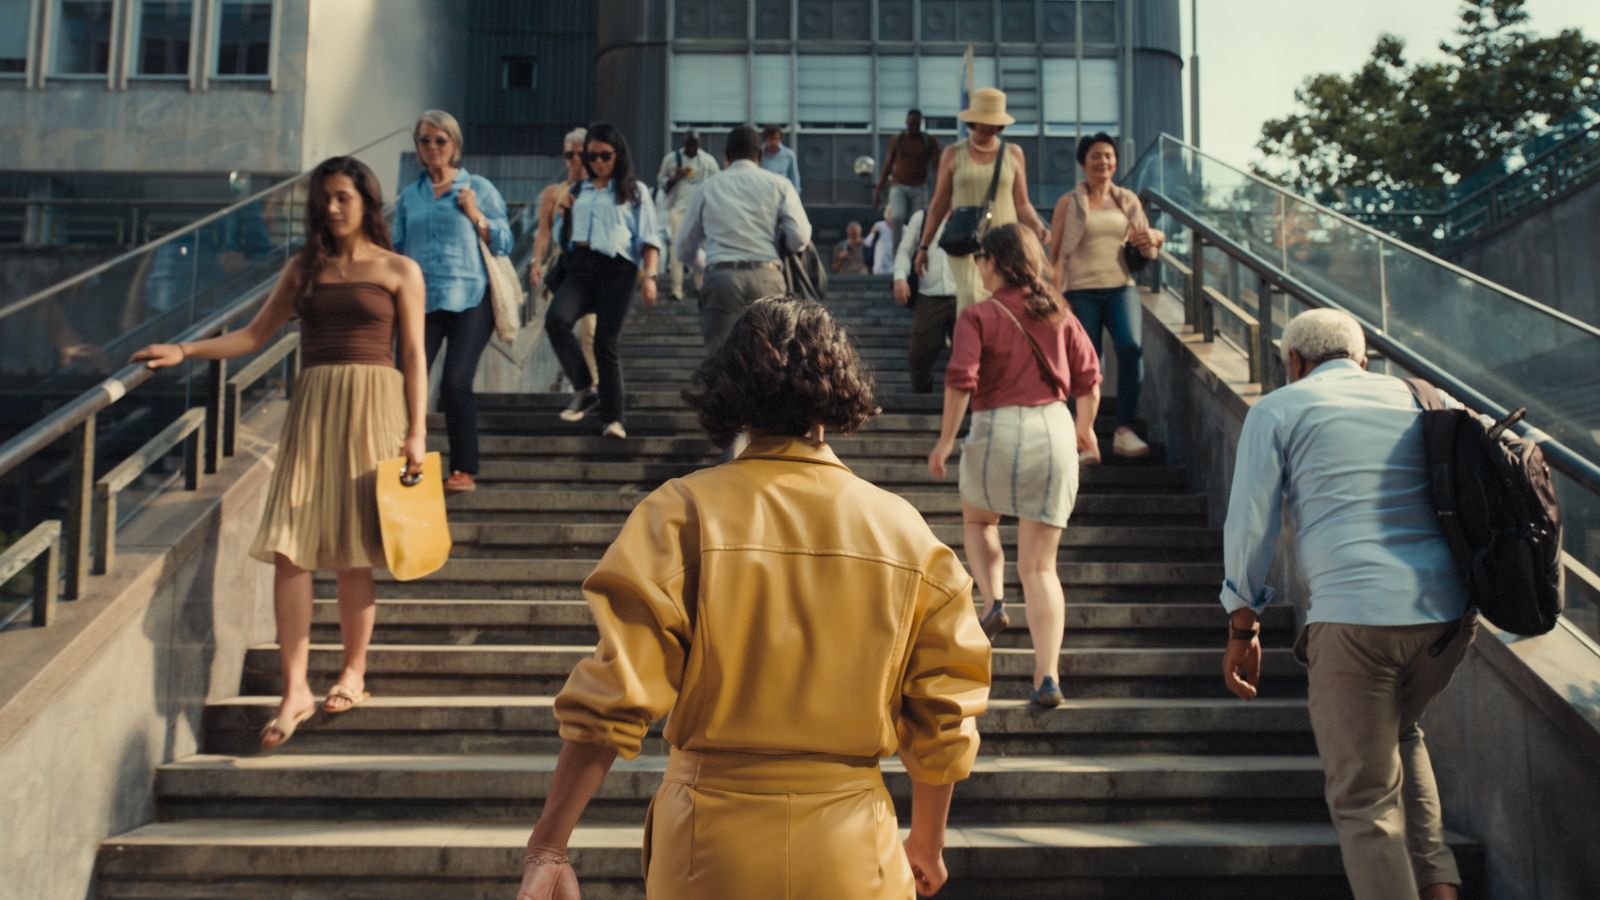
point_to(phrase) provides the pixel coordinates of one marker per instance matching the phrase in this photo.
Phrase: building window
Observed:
(1102, 97)
(939, 83)
(82, 37)
(13, 37)
(518, 73)
(773, 87)
(834, 92)
(164, 28)
(709, 90)
(897, 83)
(244, 38)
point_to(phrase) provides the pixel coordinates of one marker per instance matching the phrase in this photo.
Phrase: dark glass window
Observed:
(244, 38)
(13, 37)
(518, 73)
(83, 37)
(163, 37)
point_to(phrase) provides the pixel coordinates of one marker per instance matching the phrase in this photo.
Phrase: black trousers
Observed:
(467, 333)
(935, 320)
(602, 285)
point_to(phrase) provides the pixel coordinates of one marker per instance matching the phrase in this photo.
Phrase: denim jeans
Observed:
(1118, 311)
(466, 333)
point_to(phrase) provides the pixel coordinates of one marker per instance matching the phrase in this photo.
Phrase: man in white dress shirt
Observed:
(681, 174)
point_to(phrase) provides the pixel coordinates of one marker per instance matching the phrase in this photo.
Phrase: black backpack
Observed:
(1497, 508)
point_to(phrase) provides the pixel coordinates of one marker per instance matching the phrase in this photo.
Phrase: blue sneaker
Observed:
(996, 621)
(1047, 694)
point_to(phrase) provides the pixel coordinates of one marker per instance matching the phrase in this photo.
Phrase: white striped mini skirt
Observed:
(1022, 461)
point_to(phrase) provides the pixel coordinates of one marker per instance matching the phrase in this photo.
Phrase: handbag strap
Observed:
(1045, 371)
(994, 180)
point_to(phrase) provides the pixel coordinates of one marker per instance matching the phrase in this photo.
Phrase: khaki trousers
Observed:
(1369, 686)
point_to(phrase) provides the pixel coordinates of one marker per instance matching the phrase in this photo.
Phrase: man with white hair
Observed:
(1340, 450)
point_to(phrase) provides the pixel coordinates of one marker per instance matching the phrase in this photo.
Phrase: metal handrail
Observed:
(47, 293)
(1582, 470)
(1558, 315)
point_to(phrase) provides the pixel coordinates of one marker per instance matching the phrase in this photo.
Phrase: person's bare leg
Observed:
(1441, 892)
(291, 601)
(1037, 545)
(358, 611)
(985, 557)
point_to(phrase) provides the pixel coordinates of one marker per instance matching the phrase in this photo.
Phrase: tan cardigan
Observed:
(1078, 216)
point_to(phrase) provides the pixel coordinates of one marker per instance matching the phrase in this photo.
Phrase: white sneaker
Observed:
(582, 402)
(1128, 444)
(614, 430)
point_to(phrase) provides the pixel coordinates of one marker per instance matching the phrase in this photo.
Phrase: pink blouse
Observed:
(990, 358)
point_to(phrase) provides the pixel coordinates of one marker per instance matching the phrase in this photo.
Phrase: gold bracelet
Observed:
(547, 858)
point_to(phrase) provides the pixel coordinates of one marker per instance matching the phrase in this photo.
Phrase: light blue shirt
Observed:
(444, 242)
(612, 229)
(738, 212)
(784, 163)
(1341, 449)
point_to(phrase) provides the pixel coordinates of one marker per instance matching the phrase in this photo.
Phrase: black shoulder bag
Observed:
(964, 230)
(557, 272)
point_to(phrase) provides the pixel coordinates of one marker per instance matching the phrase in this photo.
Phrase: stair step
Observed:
(525, 723)
(497, 472)
(314, 860)
(505, 788)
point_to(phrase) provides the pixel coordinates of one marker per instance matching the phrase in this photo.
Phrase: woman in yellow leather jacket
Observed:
(799, 624)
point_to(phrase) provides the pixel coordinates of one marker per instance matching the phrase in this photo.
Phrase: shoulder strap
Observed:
(1045, 371)
(1426, 394)
(994, 180)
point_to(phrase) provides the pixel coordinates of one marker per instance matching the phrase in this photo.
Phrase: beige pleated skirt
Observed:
(322, 510)
(1022, 461)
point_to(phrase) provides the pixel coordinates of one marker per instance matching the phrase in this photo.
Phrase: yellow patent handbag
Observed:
(416, 536)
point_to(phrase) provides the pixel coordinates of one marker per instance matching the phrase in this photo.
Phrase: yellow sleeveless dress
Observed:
(969, 187)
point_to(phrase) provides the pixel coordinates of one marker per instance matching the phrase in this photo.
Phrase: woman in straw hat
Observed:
(965, 170)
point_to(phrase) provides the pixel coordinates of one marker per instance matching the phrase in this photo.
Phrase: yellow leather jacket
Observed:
(779, 604)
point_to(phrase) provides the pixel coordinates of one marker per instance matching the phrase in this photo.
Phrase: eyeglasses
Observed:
(436, 140)
(601, 155)
(572, 154)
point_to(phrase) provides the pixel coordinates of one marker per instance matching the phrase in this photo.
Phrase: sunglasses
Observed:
(436, 140)
(602, 156)
(572, 154)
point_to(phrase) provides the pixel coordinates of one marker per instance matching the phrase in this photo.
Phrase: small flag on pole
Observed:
(966, 91)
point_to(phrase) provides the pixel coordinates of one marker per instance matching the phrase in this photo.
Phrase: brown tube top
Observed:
(346, 323)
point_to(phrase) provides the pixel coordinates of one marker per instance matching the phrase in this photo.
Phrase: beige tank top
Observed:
(1097, 260)
(971, 185)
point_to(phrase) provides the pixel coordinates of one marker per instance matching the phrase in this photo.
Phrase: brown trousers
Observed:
(1369, 686)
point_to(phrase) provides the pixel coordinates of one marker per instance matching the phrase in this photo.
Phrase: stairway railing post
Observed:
(80, 507)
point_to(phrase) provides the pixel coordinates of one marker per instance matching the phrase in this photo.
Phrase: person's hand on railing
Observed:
(160, 356)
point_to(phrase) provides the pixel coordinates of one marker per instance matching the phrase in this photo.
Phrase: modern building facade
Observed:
(839, 75)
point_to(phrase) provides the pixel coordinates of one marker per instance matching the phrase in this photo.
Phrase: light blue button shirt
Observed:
(784, 163)
(1341, 450)
(444, 242)
(612, 229)
(738, 212)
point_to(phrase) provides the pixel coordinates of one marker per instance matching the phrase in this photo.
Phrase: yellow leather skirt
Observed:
(738, 826)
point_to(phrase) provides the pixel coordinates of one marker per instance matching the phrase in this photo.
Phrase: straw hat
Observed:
(986, 106)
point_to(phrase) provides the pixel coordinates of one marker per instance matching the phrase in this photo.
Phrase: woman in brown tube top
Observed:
(351, 408)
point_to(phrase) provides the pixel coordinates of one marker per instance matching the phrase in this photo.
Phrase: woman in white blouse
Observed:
(611, 244)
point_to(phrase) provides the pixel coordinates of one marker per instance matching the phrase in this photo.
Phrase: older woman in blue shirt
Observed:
(438, 221)
(611, 243)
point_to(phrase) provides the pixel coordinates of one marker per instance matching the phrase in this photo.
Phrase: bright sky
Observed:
(1254, 53)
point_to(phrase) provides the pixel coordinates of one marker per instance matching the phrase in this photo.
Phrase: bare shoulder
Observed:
(289, 275)
(1015, 149)
(397, 268)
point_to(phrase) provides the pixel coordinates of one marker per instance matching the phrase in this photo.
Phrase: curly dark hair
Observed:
(787, 365)
(320, 244)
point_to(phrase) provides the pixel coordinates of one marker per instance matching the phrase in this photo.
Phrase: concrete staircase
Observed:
(1147, 782)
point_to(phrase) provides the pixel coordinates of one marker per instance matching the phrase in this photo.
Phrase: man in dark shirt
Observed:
(912, 155)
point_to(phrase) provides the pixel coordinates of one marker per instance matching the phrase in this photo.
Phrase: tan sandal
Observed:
(356, 698)
(287, 729)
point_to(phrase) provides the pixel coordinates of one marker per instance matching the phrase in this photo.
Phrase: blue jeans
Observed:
(1118, 311)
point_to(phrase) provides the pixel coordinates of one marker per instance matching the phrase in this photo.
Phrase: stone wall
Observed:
(1515, 738)
(117, 685)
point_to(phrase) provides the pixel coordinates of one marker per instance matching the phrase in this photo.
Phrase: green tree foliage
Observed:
(1395, 125)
